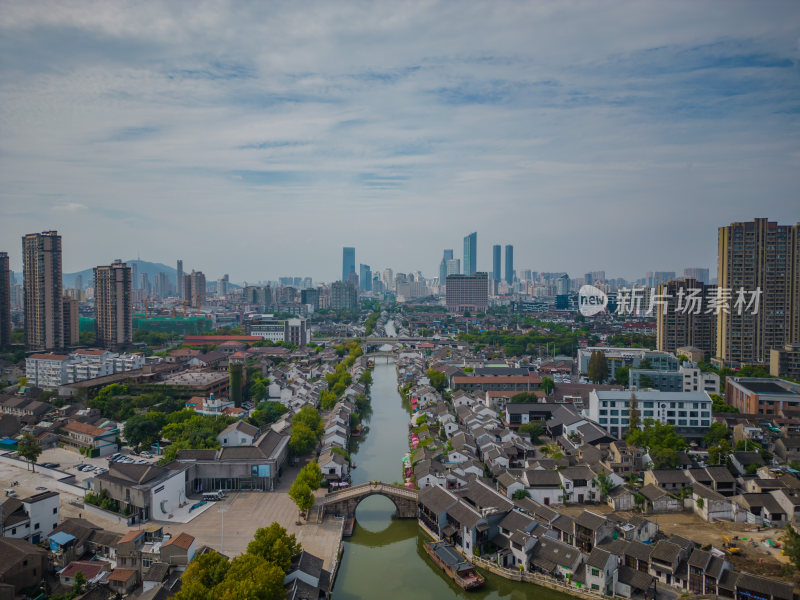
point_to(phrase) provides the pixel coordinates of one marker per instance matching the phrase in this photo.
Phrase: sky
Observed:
(259, 138)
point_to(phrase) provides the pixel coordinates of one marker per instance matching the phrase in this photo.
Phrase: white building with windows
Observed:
(689, 412)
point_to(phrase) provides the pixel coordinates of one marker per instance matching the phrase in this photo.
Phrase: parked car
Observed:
(113, 457)
(50, 465)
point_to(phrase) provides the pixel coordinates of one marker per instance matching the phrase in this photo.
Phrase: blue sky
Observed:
(257, 138)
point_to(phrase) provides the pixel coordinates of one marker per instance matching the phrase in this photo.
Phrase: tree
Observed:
(716, 433)
(78, 584)
(327, 399)
(309, 416)
(548, 385)
(267, 412)
(252, 577)
(718, 454)
(605, 485)
(622, 375)
(302, 495)
(662, 441)
(521, 397)
(311, 475)
(29, 449)
(791, 545)
(203, 574)
(634, 417)
(598, 367)
(520, 494)
(303, 440)
(438, 379)
(274, 544)
(144, 429)
(533, 429)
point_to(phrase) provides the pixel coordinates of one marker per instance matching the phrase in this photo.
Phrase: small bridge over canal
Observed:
(344, 502)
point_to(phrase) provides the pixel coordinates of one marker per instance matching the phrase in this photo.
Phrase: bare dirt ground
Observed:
(756, 556)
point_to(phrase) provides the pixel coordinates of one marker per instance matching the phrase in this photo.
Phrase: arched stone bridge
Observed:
(344, 502)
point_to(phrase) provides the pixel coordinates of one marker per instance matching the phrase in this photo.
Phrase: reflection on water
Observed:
(385, 558)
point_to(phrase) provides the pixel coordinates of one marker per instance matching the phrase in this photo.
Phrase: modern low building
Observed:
(628, 357)
(688, 378)
(49, 371)
(257, 467)
(762, 396)
(689, 412)
(144, 491)
(83, 437)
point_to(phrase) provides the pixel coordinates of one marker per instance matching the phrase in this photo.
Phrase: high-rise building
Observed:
(344, 296)
(71, 320)
(759, 255)
(179, 281)
(388, 279)
(223, 284)
(365, 278)
(5, 301)
(562, 285)
(496, 251)
(134, 275)
(684, 322)
(348, 262)
(509, 264)
(448, 255)
(453, 268)
(112, 300)
(696, 273)
(470, 253)
(310, 296)
(144, 284)
(468, 292)
(78, 282)
(197, 287)
(161, 285)
(44, 325)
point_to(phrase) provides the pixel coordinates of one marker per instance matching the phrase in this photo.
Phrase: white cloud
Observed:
(397, 128)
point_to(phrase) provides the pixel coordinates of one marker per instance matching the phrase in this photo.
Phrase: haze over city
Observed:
(258, 139)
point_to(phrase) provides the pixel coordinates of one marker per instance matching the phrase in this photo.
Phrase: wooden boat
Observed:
(451, 562)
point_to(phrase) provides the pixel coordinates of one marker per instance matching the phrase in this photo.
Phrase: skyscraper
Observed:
(365, 278)
(759, 255)
(71, 320)
(222, 285)
(5, 300)
(677, 327)
(348, 262)
(470, 253)
(197, 283)
(44, 326)
(344, 296)
(448, 255)
(696, 273)
(112, 294)
(509, 264)
(179, 281)
(496, 251)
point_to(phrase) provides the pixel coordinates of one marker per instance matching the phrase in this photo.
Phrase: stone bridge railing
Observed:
(344, 502)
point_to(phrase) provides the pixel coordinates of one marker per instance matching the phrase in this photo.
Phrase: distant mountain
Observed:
(142, 266)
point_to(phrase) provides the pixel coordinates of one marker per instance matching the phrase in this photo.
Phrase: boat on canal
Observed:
(452, 563)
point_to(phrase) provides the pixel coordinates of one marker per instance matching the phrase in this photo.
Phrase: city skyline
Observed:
(657, 120)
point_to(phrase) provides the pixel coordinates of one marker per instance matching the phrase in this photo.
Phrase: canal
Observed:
(385, 557)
